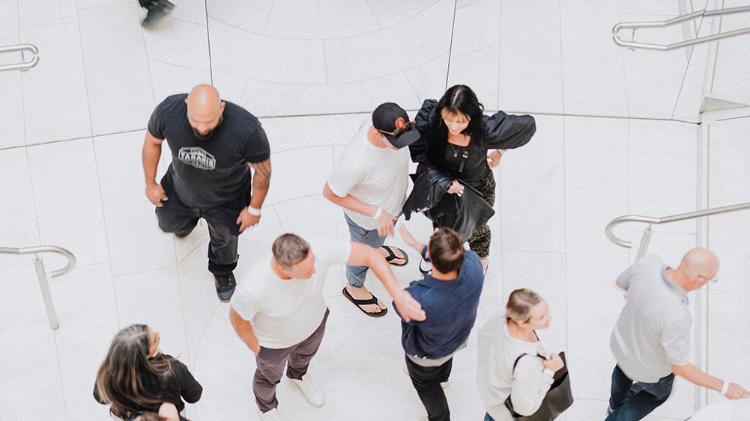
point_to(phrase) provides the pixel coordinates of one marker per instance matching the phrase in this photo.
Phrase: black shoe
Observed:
(225, 284)
(157, 10)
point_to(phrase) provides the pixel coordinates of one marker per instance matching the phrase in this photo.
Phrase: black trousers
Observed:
(427, 382)
(145, 3)
(176, 217)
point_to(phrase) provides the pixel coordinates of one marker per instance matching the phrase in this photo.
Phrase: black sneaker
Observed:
(157, 10)
(225, 284)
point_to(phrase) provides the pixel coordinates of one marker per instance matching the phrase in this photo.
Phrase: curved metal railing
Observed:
(41, 273)
(24, 65)
(679, 19)
(650, 220)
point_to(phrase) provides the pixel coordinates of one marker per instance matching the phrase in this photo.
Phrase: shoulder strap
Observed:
(515, 363)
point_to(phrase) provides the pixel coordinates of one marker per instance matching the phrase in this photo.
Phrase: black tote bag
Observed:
(559, 396)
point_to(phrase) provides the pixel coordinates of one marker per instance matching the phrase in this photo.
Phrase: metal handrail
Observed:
(664, 220)
(24, 65)
(679, 19)
(41, 273)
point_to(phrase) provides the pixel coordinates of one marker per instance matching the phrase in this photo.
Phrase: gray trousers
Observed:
(271, 362)
(355, 275)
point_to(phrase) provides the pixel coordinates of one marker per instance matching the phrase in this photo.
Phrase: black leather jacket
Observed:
(464, 213)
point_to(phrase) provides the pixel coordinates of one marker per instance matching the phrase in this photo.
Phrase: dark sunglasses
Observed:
(396, 133)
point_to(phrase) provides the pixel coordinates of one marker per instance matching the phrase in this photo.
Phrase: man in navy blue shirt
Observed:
(449, 296)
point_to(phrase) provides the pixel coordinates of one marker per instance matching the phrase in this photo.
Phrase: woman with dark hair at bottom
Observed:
(135, 377)
(457, 138)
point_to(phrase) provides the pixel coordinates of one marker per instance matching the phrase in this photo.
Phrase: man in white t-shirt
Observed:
(279, 312)
(651, 340)
(369, 181)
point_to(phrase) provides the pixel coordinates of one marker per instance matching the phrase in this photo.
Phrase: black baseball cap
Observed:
(384, 120)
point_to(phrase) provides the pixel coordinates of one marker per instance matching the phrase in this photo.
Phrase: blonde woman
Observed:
(502, 341)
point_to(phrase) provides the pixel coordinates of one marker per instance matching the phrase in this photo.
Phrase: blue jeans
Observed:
(487, 417)
(633, 401)
(355, 275)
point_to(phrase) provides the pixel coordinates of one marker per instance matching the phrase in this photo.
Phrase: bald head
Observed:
(205, 109)
(699, 262)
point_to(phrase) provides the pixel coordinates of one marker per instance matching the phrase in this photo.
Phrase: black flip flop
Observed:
(358, 303)
(392, 256)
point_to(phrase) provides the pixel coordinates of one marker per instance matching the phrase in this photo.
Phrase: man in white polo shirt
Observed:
(651, 340)
(369, 181)
(279, 312)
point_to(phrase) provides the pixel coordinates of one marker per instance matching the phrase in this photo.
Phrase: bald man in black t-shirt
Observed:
(214, 145)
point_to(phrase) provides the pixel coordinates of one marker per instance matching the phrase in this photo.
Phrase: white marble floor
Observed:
(616, 135)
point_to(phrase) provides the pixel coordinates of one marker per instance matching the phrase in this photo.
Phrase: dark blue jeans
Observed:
(487, 417)
(633, 401)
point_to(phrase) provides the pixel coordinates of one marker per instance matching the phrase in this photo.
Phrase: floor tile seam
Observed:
(178, 279)
(499, 55)
(285, 201)
(475, 50)
(190, 252)
(174, 18)
(624, 67)
(106, 234)
(520, 250)
(413, 88)
(338, 83)
(365, 112)
(148, 64)
(183, 66)
(139, 272)
(25, 132)
(374, 15)
(363, 34)
(565, 232)
(61, 382)
(46, 25)
(265, 24)
(450, 45)
(203, 330)
(208, 44)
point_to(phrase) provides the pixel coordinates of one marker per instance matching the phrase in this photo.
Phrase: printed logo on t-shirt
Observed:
(197, 157)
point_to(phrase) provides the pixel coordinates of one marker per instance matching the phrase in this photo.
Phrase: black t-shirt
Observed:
(213, 172)
(177, 384)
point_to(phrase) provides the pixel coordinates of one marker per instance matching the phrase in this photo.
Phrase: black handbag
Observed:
(559, 396)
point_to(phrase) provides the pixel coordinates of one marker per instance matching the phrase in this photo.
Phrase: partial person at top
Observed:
(156, 9)
(369, 181)
(214, 145)
(651, 340)
(135, 378)
(457, 150)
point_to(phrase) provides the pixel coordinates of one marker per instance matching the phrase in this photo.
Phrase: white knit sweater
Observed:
(496, 379)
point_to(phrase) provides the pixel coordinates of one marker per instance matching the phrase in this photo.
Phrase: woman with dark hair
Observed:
(458, 139)
(135, 377)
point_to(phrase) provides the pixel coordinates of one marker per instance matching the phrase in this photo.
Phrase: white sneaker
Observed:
(272, 415)
(310, 391)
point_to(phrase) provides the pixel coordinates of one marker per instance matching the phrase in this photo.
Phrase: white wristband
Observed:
(377, 213)
(252, 211)
(724, 388)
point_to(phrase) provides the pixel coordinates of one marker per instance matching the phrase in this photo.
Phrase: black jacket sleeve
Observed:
(504, 131)
(190, 389)
(418, 149)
